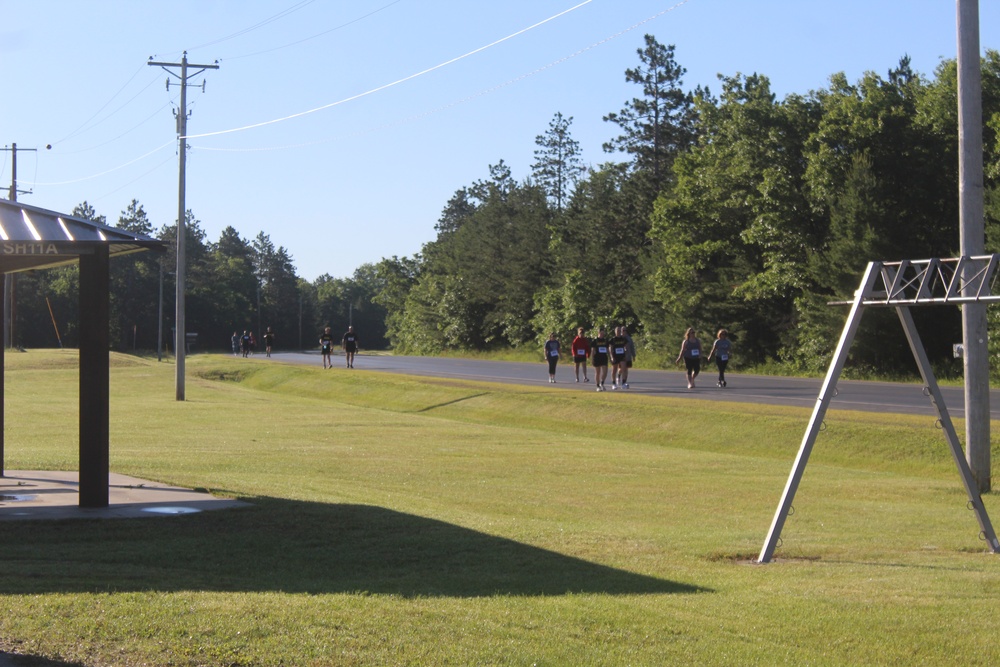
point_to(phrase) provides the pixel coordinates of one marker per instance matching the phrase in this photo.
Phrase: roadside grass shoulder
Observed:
(887, 442)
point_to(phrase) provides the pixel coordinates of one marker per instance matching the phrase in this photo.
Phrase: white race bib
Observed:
(602, 350)
(723, 357)
(695, 352)
(554, 353)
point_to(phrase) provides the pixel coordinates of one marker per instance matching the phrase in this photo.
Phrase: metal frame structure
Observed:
(901, 285)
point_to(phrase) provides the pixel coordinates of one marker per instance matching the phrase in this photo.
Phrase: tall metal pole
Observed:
(159, 319)
(13, 173)
(180, 335)
(179, 322)
(8, 299)
(973, 241)
(10, 295)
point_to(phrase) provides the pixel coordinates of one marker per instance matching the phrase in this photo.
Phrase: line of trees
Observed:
(233, 284)
(736, 210)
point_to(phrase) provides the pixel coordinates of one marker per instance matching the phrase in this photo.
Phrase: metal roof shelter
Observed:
(34, 238)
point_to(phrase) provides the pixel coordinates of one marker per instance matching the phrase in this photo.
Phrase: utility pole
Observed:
(180, 334)
(10, 294)
(973, 241)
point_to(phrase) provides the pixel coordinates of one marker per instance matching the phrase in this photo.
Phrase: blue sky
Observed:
(382, 109)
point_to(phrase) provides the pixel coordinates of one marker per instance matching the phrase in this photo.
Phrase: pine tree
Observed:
(557, 161)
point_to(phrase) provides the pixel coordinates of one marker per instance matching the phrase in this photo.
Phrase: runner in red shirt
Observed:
(581, 353)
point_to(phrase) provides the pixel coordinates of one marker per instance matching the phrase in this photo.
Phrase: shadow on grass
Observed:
(297, 547)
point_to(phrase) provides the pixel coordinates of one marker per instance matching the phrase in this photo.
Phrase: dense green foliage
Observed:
(233, 285)
(739, 210)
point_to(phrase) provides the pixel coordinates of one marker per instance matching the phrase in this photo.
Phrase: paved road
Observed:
(800, 392)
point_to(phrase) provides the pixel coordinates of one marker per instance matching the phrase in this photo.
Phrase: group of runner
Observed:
(690, 354)
(247, 343)
(349, 343)
(618, 353)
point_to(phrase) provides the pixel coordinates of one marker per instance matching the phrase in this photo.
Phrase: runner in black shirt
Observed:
(350, 343)
(599, 357)
(326, 347)
(618, 347)
(268, 341)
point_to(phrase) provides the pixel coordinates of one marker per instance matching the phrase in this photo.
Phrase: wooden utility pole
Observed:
(180, 332)
(973, 241)
(10, 288)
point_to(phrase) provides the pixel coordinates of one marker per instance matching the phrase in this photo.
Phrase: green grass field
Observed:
(406, 521)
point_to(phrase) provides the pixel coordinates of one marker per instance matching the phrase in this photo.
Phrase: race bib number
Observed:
(619, 350)
(723, 357)
(554, 353)
(602, 350)
(695, 352)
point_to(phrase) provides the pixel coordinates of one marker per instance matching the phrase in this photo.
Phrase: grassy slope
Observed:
(415, 521)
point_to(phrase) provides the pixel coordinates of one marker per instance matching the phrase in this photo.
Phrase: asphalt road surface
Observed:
(889, 397)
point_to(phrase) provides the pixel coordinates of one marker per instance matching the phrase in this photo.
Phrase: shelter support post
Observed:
(951, 436)
(826, 394)
(94, 378)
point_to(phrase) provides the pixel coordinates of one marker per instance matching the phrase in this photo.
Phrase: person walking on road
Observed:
(629, 358)
(326, 347)
(245, 341)
(350, 344)
(268, 341)
(619, 348)
(721, 349)
(581, 353)
(599, 358)
(691, 354)
(551, 351)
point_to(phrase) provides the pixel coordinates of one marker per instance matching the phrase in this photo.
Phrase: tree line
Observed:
(733, 210)
(232, 285)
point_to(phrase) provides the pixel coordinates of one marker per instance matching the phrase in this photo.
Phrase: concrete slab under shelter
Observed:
(33, 494)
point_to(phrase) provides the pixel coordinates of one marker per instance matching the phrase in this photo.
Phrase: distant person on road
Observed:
(350, 345)
(619, 348)
(268, 341)
(629, 358)
(721, 348)
(326, 347)
(691, 354)
(599, 358)
(551, 351)
(245, 342)
(236, 344)
(581, 352)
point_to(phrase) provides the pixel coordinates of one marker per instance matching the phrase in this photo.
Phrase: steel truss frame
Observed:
(901, 285)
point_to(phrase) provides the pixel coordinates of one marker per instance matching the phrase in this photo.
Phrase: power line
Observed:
(481, 93)
(469, 98)
(394, 83)
(113, 169)
(260, 24)
(134, 180)
(103, 107)
(128, 131)
(319, 34)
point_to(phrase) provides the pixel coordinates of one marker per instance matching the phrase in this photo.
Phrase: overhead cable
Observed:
(388, 85)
